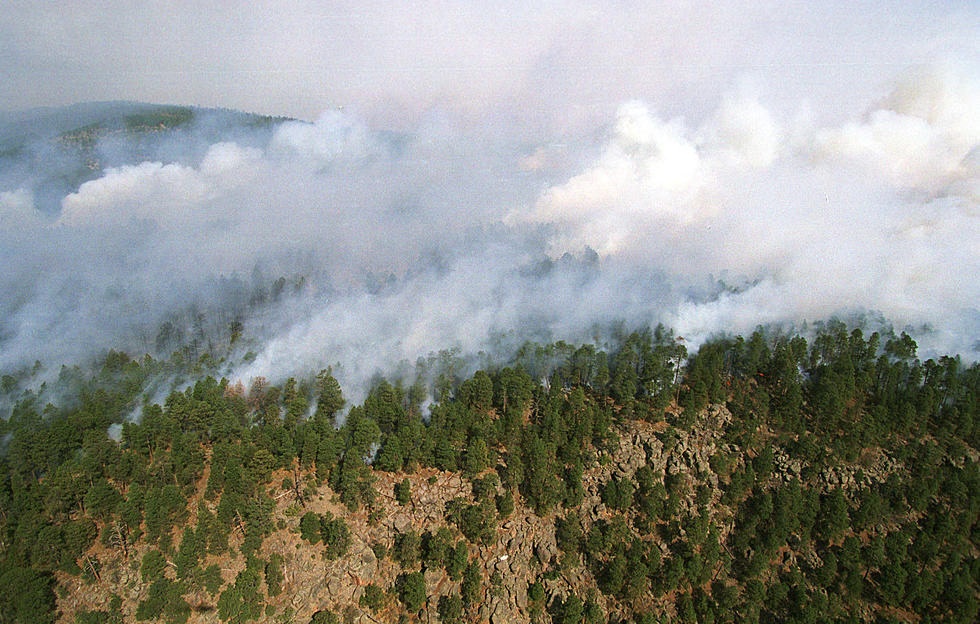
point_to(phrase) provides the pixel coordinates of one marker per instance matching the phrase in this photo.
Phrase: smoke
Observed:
(17, 210)
(878, 214)
(564, 65)
(468, 236)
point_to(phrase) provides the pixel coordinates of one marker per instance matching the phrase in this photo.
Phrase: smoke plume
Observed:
(451, 234)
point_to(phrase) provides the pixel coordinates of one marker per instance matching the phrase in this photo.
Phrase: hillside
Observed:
(53, 151)
(762, 479)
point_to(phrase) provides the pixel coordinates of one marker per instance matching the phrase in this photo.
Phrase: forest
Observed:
(569, 313)
(820, 476)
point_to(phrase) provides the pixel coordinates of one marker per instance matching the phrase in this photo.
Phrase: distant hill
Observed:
(52, 151)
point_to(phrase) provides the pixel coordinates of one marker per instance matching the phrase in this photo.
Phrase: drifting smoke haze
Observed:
(492, 214)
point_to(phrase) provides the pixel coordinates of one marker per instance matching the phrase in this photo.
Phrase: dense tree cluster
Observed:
(845, 485)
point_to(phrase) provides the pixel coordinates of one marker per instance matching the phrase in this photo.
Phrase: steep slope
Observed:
(772, 482)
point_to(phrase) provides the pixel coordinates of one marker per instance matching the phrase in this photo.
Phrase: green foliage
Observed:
(451, 609)
(274, 575)
(845, 480)
(476, 521)
(380, 550)
(472, 584)
(568, 534)
(618, 494)
(164, 600)
(411, 591)
(309, 527)
(335, 535)
(403, 492)
(97, 617)
(373, 597)
(152, 566)
(457, 560)
(27, 596)
(476, 457)
(352, 477)
(324, 616)
(833, 519)
(535, 592)
(567, 611)
(241, 602)
(159, 117)
(79, 535)
(210, 578)
(101, 499)
(407, 549)
(436, 548)
(188, 554)
(505, 504)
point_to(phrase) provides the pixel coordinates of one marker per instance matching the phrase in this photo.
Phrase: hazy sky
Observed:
(566, 64)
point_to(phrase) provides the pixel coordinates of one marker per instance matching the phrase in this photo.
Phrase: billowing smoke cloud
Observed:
(879, 214)
(454, 235)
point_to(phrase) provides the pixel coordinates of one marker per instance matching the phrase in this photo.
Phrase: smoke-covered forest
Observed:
(118, 218)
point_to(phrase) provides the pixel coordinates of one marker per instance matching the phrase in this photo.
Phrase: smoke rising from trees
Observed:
(453, 235)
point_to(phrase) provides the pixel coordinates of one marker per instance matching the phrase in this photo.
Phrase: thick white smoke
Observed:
(461, 235)
(878, 214)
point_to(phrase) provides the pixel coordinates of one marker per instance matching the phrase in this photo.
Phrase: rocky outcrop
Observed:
(524, 548)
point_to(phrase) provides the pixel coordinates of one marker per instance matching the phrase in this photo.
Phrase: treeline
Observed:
(844, 487)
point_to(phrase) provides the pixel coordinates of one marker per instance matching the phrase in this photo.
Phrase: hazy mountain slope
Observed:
(51, 151)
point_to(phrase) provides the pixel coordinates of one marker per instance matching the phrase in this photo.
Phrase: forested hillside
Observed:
(772, 478)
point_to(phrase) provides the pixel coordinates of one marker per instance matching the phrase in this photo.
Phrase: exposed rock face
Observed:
(524, 548)
(786, 468)
(545, 547)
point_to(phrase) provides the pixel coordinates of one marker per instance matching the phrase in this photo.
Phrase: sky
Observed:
(546, 68)
(465, 177)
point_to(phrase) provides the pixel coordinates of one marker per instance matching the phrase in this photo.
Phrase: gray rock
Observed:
(545, 547)
(335, 583)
